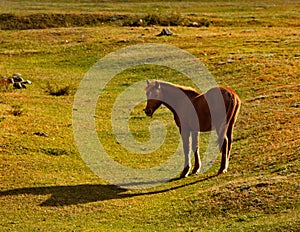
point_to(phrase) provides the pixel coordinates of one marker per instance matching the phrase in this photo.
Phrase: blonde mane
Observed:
(187, 90)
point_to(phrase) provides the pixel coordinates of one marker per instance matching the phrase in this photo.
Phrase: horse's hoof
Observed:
(183, 175)
(222, 171)
(196, 171)
(185, 172)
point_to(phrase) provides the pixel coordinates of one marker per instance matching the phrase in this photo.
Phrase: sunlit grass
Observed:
(46, 186)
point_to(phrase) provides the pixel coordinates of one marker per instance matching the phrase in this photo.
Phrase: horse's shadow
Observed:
(85, 193)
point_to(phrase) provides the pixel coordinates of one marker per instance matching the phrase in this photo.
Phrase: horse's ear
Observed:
(157, 85)
(148, 82)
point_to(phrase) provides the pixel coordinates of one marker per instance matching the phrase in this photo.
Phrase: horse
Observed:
(217, 109)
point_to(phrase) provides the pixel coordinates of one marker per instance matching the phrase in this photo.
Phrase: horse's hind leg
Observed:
(229, 132)
(225, 158)
(223, 146)
(195, 136)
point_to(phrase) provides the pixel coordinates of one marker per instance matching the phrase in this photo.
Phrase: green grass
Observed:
(44, 14)
(45, 185)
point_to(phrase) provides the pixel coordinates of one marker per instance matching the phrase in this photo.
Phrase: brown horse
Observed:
(193, 112)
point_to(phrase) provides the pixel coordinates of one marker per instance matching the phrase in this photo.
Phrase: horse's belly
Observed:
(203, 125)
(204, 119)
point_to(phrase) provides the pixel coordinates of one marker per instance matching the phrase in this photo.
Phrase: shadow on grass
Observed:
(86, 193)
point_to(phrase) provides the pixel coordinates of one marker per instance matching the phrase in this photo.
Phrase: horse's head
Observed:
(154, 97)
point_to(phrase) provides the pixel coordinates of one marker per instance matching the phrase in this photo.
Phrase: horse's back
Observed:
(227, 93)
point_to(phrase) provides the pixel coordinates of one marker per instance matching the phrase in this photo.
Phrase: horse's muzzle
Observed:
(148, 112)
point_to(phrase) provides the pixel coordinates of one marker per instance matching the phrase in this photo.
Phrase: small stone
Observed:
(165, 32)
(39, 133)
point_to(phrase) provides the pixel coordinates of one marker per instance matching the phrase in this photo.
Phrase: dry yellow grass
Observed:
(46, 186)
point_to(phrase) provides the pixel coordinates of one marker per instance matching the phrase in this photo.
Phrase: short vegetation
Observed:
(251, 46)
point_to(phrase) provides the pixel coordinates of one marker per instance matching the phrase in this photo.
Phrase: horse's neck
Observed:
(171, 92)
(168, 91)
(174, 94)
(169, 95)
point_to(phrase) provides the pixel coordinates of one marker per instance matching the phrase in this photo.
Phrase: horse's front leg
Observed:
(185, 135)
(195, 136)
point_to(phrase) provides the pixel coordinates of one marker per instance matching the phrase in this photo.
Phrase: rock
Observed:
(39, 133)
(27, 82)
(140, 22)
(17, 77)
(5, 80)
(195, 24)
(165, 32)
(18, 85)
(249, 30)
(18, 81)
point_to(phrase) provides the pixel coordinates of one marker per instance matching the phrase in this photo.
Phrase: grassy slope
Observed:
(46, 186)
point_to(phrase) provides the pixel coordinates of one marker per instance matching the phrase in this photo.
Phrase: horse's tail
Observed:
(234, 108)
(232, 111)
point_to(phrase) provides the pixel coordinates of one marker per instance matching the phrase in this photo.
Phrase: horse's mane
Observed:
(187, 90)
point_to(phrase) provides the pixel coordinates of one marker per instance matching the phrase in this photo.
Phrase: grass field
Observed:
(251, 46)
